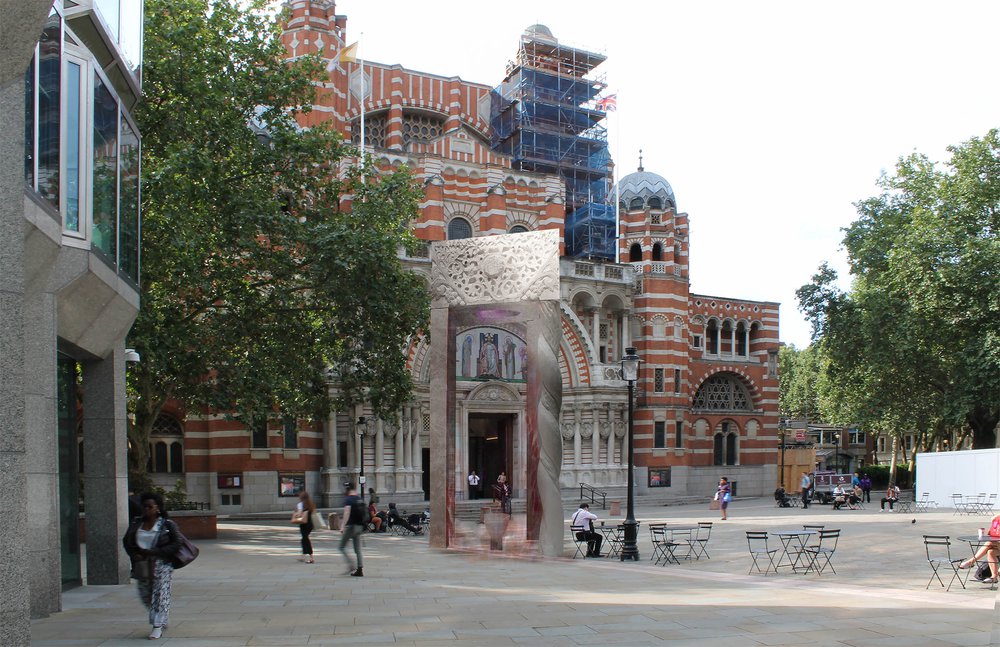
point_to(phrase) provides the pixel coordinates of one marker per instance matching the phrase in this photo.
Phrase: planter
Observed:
(195, 524)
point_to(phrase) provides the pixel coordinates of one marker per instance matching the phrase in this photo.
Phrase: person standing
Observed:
(351, 527)
(151, 541)
(866, 488)
(304, 510)
(473, 485)
(805, 484)
(584, 518)
(724, 495)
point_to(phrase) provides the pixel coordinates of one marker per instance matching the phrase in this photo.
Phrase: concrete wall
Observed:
(970, 472)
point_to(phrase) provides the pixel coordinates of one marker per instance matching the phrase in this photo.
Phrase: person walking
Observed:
(302, 516)
(805, 484)
(724, 495)
(866, 488)
(151, 541)
(351, 527)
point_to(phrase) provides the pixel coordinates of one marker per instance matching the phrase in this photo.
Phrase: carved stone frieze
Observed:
(495, 269)
(567, 431)
(605, 428)
(586, 430)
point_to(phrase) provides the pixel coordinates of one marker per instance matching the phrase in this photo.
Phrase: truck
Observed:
(825, 480)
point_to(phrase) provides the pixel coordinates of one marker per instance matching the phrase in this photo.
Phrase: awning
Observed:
(823, 453)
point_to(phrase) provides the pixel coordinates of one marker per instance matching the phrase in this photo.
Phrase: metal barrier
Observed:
(593, 493)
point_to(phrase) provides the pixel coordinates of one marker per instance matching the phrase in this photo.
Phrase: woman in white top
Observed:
(151, 541)
(304, 510)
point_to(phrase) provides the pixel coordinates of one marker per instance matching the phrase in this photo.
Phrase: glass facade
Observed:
(128, 201)
(71, 219)
(69, 477)
(29, 125)
(124, 21)
(49, 82)
(104, 230)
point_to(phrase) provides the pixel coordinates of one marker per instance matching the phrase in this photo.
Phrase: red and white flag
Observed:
(608, 103)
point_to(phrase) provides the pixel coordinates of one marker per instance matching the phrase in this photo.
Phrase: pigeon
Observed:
(914, 521)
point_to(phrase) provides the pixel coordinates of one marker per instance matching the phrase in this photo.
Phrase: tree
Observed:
(912, 346)
(799, 371)
(257, 275)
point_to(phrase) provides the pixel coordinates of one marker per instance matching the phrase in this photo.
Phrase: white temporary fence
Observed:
(968, 473)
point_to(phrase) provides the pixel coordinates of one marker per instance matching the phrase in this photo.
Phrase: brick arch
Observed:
(739, 373)
(418, 359)
(575, 350)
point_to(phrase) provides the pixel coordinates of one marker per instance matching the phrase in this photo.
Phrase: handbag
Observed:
(142, 569)
(187, 552)
(299, 516)
(727, 497)
(318, 522)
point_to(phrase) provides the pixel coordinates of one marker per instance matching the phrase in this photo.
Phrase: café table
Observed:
(683, 535)
(614, 537)
(793, 545)
(975, 542)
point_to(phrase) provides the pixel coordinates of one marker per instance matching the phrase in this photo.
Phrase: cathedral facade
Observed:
(493, 161)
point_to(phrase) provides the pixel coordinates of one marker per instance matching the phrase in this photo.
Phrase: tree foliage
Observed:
(913, 345)
(256, 277)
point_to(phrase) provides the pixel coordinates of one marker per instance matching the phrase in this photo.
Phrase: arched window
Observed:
(176, 458)
(655, 203)
(635, 253)
(459, 228)
(160, 457)
(722, 392)
(166, 445)
(712, 337)
(741, 339)
(635, 204)
(724, 450)
(518, 229)
(657, 252)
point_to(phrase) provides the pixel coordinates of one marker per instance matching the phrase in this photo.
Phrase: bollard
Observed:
(616, 509)
(333, 521)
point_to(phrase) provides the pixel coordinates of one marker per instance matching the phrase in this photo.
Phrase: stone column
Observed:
(577, 441)
(626, 331)
(596, 332)
(331, 451)
(399, 468)
(732, 341)
(595, 439)
(105, 449)
(611, 438)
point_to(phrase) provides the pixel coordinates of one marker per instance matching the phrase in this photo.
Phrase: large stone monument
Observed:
(510, 281)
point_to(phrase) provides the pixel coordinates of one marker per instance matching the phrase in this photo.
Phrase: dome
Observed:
(644, 186)
(539, 31)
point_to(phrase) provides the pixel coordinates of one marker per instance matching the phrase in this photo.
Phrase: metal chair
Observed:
(938, 549)
(757, 545)
(824, 548)
(924, 504)
(575, 532)
(663, 549)
(699, 544)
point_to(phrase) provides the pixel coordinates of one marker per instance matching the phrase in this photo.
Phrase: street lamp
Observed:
(782, 430)
(630, 373)
(361, 425)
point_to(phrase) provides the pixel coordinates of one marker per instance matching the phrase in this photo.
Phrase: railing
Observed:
(593, 493)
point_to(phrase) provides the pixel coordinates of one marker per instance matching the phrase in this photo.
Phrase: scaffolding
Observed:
(545, 117)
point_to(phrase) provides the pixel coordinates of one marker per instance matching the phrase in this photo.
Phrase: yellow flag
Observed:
(349, 54)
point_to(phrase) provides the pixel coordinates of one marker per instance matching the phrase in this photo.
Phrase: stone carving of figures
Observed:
(508, 358)
(467, 356)
(522, 354)
(489, 355)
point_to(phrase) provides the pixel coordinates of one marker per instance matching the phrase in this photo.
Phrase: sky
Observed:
(769, 119)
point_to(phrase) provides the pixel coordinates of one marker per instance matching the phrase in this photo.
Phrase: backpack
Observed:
(983, 572)
(359, 511)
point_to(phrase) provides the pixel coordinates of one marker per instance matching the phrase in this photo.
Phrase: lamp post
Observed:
(782, 430)
(630, 373)
(361, 425)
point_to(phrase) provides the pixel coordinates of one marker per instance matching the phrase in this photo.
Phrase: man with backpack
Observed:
(355, 520)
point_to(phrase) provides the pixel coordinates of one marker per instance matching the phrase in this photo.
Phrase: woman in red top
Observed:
(990, 549)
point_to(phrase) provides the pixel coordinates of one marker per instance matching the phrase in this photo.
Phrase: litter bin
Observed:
(616, 509)
(333, 521)
(732, 488)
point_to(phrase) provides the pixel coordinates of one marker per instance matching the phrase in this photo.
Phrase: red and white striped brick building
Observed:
(707, 395)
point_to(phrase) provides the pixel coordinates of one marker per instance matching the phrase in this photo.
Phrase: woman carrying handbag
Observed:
(723, 495)
(151, 541)
(303, 516)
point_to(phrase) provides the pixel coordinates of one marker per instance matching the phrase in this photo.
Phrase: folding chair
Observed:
(574, 532)
(699, 545)
(663, 549)
(938, 549)
(757, 545)
(825, 548)
(924, 504)
(960, 506)
(990, 503)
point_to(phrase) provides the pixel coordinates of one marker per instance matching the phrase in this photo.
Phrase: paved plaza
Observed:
(247, 588)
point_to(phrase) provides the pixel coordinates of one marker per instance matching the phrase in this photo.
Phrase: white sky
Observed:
(769, 119)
